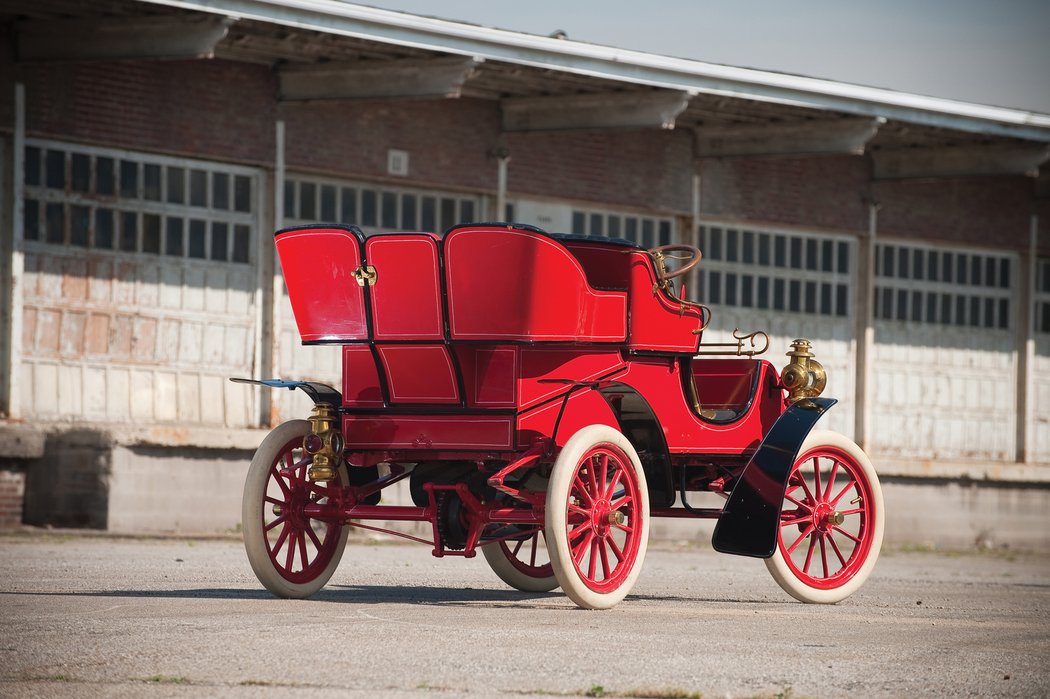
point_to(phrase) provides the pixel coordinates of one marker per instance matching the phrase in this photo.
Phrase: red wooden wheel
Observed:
(291, 554)
(831, 522)
(597, 517)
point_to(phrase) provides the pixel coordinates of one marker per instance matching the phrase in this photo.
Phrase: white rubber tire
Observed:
(556, 518)
(783, 573)
(505, 569)
(253, 517)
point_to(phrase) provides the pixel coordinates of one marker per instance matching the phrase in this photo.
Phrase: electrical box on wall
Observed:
(397, 162)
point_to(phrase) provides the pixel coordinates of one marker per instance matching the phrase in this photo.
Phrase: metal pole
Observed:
(503, 159)
(13, 366)
(276, 281)
(1026, 340)
(864, 334)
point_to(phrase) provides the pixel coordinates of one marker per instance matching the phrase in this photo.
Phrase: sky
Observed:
(994, 52)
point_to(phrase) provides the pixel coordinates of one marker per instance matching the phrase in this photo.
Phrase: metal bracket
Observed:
(318, 392)
(738, 346)
(365, 275)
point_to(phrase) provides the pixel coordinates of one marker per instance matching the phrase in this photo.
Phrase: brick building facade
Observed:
(139, 196)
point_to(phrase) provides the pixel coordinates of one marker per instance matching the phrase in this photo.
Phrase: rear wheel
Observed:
(523, 564)
(597, 517)
(831, 523)
(291, 554)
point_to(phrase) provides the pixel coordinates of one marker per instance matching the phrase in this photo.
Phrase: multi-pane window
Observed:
(923, 284)
(109, 201)
(646, 231)
(772, 270)
(375, 207)
(1042, 296)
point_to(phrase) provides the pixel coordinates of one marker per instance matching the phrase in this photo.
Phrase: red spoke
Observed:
(824, 556)
(816, 477)
(846, 534)
(580, 489)
(574, 510)
(303, 558)
(517, 547)
(313, 537)
(831, 479)
(809, 553)
(617, 551)
(835, 548)
(798, 502)
(585, 527)
(796, 520)
(274, 523)
(605, 559)
(281, 538)
(625, 500)
(806, 490)
(624, 528)
(615, 481)
(791, 549)
(856, 511)
(842, 492)
(291, 552)
(535, 545)
(592, 478)
(274, 501)
(581, 548)
(593, 565)
(280, 482)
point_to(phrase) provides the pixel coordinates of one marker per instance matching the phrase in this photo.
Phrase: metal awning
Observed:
(535, 77)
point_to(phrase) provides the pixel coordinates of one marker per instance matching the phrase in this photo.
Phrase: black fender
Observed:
(318, 392)
(750, 519)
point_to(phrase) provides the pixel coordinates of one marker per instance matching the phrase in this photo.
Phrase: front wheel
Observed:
(291, 554)
(831, 522)
(597, 517)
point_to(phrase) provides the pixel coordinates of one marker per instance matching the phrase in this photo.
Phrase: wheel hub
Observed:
(825, 517)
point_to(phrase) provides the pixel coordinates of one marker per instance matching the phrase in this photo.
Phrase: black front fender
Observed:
(750, 519)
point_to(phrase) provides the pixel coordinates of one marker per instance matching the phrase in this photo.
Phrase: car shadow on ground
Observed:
(386, 594)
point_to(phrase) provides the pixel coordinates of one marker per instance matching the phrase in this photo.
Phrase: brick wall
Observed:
(648, 169)
(12, 490)
(219, 108)
(448, 141)
(821, 192)
(986, 211)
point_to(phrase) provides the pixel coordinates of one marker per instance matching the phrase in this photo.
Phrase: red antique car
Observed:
(546, 396)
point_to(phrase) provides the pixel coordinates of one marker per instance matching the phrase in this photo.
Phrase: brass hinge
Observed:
(365, 275)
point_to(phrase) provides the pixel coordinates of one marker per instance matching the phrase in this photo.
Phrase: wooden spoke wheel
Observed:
(292, 555)
(597, 517)
(831, 523)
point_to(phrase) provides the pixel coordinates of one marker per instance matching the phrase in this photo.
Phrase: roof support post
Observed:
(274, 416)
(502, 163)
(1025, 315)
(14, 270)
(864, 334)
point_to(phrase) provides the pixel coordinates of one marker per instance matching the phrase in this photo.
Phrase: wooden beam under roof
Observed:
(431, 77)
(109, 38)
(604, 110)
(817, 137)
(960, 161)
